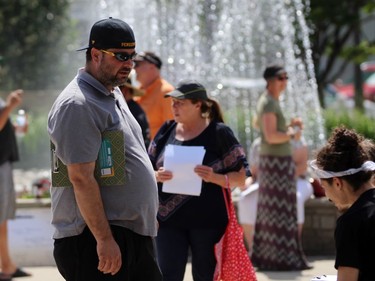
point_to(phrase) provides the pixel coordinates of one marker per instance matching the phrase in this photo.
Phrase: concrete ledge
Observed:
(319, 227)
(33, 202)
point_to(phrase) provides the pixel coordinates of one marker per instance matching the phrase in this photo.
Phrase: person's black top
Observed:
(355, 237)
(141, 118)
(8, 143)
(223, 153)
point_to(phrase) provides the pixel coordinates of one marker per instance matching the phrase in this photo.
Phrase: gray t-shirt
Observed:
(81, 113)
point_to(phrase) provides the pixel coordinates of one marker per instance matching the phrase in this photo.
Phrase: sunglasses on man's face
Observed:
(120, 56)
(282, 78)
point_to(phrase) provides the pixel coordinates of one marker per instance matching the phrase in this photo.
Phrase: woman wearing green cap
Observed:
(187, 222)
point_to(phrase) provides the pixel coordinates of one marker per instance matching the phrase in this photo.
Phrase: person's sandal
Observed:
(19, 273)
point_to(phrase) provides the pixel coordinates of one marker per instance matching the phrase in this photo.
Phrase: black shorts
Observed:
(77, 260)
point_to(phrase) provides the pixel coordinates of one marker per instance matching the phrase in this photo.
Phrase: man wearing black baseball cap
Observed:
(158, 110)
(104, 207)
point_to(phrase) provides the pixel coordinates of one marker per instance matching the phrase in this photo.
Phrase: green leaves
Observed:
(352, 119)
(339, 37)
(34, 34)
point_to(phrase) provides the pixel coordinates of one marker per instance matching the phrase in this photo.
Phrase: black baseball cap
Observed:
(188, 89)
(149, 57)
(111, 33)
(273, 70)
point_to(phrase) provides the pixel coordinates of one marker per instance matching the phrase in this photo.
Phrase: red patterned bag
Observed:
(233, 262)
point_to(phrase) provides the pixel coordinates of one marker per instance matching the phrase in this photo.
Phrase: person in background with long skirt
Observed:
(276, 244)
(248, 201)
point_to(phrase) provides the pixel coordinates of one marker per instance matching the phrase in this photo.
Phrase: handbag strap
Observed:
(227, 199)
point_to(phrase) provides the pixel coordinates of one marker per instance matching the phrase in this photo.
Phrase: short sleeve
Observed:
(269, 106)
(74, 133)
(233, 155)
(158, 143)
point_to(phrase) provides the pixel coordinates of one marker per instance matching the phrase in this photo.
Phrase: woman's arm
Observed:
(12, 101)
(300, 157)
(163, 175)
(270, 132)
(347, 273)
(231, 179)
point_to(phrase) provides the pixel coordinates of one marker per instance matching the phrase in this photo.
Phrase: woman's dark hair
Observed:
(369, 146)
(210, 108)
(345, 150)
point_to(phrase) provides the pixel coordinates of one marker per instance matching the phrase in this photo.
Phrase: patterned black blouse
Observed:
(223, 153)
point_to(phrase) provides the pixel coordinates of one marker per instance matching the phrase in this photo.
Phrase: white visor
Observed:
(367, 166)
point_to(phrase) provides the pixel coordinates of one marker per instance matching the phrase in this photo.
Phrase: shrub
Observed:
(352, 119)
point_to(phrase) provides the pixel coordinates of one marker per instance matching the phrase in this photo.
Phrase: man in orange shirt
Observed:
(157, 108)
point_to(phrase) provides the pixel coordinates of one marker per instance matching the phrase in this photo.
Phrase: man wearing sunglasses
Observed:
(104, 219)
(158, 109)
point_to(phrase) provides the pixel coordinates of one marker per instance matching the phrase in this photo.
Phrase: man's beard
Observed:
(110, 80)
(117, 81)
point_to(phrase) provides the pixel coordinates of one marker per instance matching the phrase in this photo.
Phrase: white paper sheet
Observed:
(181, 160)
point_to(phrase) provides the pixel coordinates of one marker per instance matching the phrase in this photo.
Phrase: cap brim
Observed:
(175, 94)
(139, 58)
(83, 48)
(281, 71)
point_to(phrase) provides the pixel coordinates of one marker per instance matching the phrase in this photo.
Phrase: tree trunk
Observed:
(358, 88)
(321, 95)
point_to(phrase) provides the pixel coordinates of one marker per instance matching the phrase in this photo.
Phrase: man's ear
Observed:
(95, 54)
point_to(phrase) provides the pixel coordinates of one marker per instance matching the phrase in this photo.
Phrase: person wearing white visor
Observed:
(345, 167)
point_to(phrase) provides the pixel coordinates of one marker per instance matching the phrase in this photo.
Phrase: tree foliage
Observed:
(33, 43)
(335, 25)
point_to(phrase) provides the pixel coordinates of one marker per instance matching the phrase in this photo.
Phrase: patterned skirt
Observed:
(276, 243)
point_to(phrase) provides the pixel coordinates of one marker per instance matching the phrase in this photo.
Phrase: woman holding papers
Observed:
(192, 214)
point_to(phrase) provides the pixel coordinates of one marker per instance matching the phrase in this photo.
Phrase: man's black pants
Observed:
(77, 259)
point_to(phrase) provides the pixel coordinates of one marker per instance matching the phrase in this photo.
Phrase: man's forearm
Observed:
(89, 200)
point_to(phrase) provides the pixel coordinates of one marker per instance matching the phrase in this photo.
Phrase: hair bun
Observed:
(346, 140)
